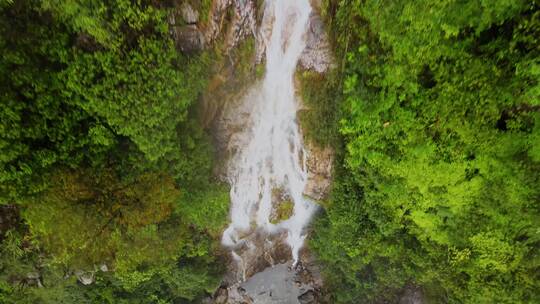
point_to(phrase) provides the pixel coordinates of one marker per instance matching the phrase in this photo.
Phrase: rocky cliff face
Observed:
(230, 19)
(320, 165)
(223, 112)
(317, 55)
(233, 23)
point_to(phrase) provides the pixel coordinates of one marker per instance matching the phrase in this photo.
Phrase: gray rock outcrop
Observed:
(278, 283)
(320, 164)
(188, 38)
(317, 55)
(85, 277)
(191, 34)
(189, 15)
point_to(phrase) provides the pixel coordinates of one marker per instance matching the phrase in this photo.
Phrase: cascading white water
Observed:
(272, 155)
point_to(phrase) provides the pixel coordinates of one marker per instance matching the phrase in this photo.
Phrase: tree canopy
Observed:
(440, 180)
(101, 157)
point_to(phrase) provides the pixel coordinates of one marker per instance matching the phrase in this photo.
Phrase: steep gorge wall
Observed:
(236, 30)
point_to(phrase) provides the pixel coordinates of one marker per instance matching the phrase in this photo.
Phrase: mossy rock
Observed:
(283, 211)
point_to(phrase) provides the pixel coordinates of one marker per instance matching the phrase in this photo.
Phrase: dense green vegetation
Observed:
(439, 185)
(101, 159)
(105, 170)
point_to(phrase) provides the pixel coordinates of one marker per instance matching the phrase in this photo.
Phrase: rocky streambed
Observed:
(279, 283)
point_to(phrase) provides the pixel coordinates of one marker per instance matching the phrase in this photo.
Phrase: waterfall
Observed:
(272, 156)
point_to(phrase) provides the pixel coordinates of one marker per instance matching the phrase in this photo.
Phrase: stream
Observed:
(268, 170)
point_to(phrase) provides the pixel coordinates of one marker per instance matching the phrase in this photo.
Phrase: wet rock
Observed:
(264, 252)
(195, 36)
(229, 119)
(189, 15)
(221, 296)
(282, 206)
(216, 18)
(237, 295)
(316, 5)
(34, 279)
(188, 38)
(277, 282)
(274, 285)
(320, 164)
(307, 298)
(103, 268)
(85, 277)
(317, 54)
(241, 24)
(207, 300)
(264, 33)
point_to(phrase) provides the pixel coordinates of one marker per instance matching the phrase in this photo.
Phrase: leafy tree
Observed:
(100, 151)
(441, 121)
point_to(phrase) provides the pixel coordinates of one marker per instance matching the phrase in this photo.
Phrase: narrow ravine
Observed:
(271, 158)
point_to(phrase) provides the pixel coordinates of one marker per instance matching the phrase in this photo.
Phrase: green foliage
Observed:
(123, 90)
(100, 152)
(82, 104)
(113, 217)
(111, 26)
(283, 211)
(36, 126)
(320, 117)
(203, 7)
(207, 209)
(441, 126)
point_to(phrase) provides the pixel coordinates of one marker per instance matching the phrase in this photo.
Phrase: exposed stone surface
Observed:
(34, 279)
(231, 120)
(189, 15)
(282, 205)
(320, 162)
(307, 298)
(103, 268)
(317, 55)
(221, 296)
(270, 277)
(265, 250)
(264, 33)
(243, 23)
(316, 4)
(237, 295)
(278, 283)
(85, 277)
(216, 18)
(191, 35)
(188, 38)
(262, 273)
